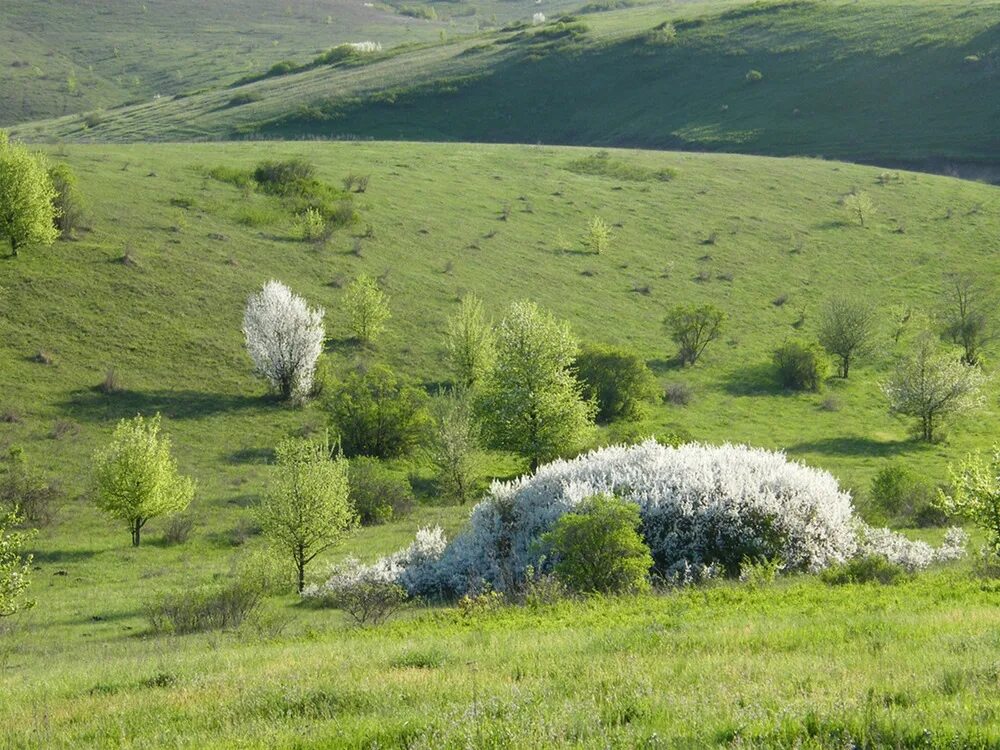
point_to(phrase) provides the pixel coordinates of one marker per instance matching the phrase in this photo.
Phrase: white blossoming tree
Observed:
(284, 338)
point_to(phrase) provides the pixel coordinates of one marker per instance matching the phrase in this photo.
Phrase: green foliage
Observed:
(365, 601)
(67, 201)
(530, 403)
(800, 365)
(367, 309)
(376, 413)
(754, 76)
(968, 314)
(27, 212)
(598, 547)
(975, 494)
(453, 447)
(136, 477)
(860, 206)
(598, 237)
(15, 565)
(601, 164)
(868, 569)
(847, 330)
(471, 346)
(25, 490)
(376, 494)
(692, 328)
(288, 177)
(306, 509)
(617, 379)
(901, 497)
(310, 225)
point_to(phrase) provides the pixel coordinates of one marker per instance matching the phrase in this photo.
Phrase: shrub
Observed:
(704, 510)
(377, 496)
(617, 379)
(597, 547)
(112, 382)
(693, 328)
(26, 491)
(365, 598)
(598, 237)
(15, 565)
(367, 309)
(753, 76)
(310, 225)
(289, 177)
(377, 413)
(800, 366)
(976, 494)
(178, 530)
(867, 569)
(454, 447)
(899, 495)
(678, 394)
(67, 201)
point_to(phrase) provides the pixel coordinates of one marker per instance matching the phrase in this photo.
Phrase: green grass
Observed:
(65, 57)
(887, 81)
(801, 661)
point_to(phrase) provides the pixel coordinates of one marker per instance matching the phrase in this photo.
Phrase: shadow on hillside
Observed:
(853, 445)
(251, 456)
(754, 380)
(59, 557)
(661, 365)
(185, 404)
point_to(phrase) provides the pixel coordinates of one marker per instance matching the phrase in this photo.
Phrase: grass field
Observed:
(884, 81)
(60, 57)
(766, 239)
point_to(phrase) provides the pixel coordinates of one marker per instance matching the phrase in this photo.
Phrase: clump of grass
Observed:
(678, 394)
(601, 164)
(63, 428)
(112, 382)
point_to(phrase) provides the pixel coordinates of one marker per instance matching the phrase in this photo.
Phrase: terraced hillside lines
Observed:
(886, 81)
(64, 56)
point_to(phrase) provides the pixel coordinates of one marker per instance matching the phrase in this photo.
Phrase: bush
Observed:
(67, 201)
(178, 530)
(27, 492)
(867, 569)
(704, 510)
(199, 610)
(364, 600)
(376, 413)
(693, 328)
(753, 76)
(801, 366)
(678, 394)
(310, 226)
(284, 178)
(377, 496)
(617, 379)
(598, 548)
(900, 496)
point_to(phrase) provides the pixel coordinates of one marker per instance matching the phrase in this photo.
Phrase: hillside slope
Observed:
(63, 56)
(886, 81)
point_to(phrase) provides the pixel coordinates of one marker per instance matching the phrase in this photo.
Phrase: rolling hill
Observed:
(895, 82)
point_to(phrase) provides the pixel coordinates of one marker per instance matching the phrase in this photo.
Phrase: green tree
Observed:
(860, 206)
(376, 413)
(531, 403)
(470, 341)
(136, 478)
(692, 328)
(598, 547)
(306, 509)
(598, 237)
(968, 314)
(801, 365)
(367, 309)
(617, 379)
(27, 214)
(67, 201)
(975, 494)
(15, 566)
(847, 330)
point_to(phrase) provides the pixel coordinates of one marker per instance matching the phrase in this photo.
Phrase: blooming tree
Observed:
(284, 338)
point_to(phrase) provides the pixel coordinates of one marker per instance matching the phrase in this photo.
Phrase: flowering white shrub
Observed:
(408, 567)
(365, 47)
(284, 338)
(704, 509)
(538, 18)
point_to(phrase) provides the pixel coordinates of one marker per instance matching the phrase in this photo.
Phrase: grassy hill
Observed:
(61, 57)
(155, 289)
(887, 81)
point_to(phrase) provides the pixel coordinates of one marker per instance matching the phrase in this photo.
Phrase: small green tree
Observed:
(598, 237)
(470, 341)
(27, 214)
(531, 403)
(933, 386)
(367, 309)
(136, 478)
(968, 314)
(306, 509)
(376, 413)
(598, 547)
(67, 201)
(617, 379)
(454, 446)
(801, 365)
(847, 330)
(860, 206)
(692, 328)
(976, 494)
(15, 566)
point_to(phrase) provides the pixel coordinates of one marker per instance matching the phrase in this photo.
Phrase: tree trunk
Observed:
(13, 247)
(845, 367)
(136, 531)
(300, 563)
